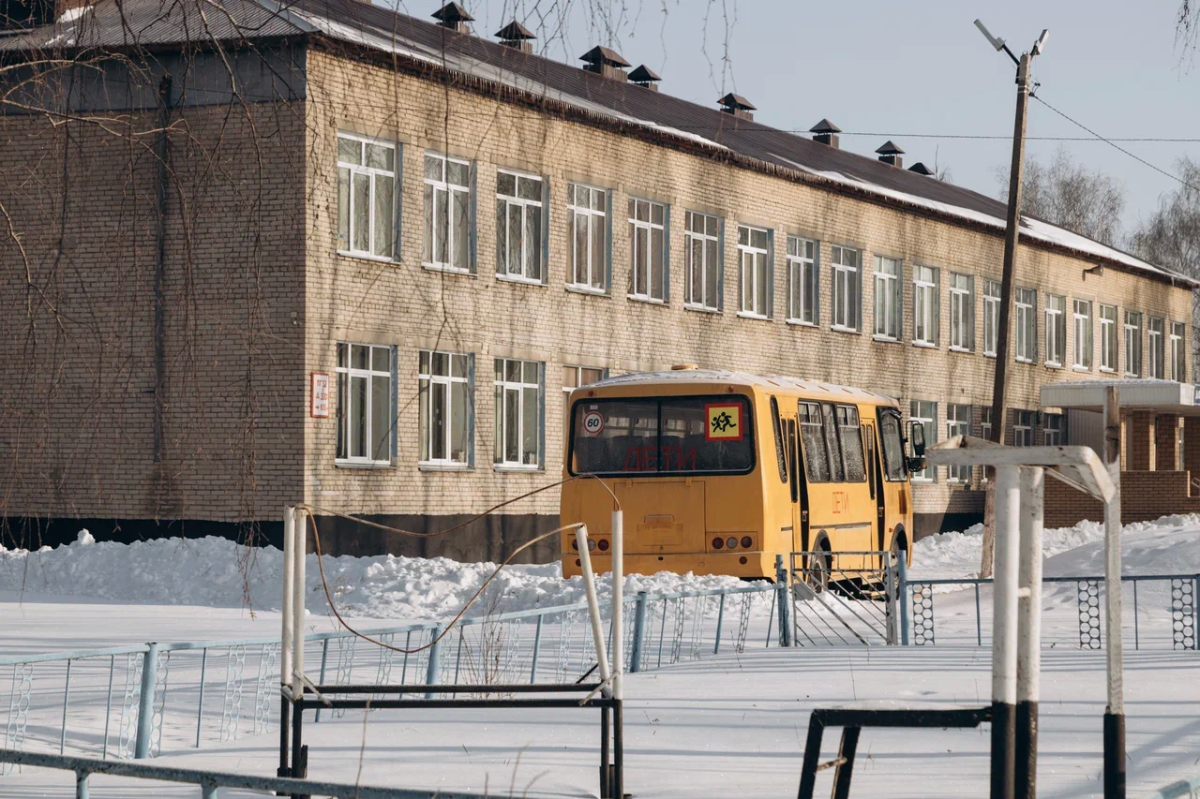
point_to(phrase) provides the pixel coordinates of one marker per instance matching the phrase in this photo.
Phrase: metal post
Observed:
(145, 716)
(781, 588)
(1004, 632)
(325, 657)
(289, 564)
(209, 790)
(537, 645)
(720, 621)
(589, 590)
(1029, 631)
(771, 617)
(62, 738)
(1136, 637)
(639, 632)
(81, 785)
(889, 590)
(200, 704)
(112, 666)
(902, 576)
(618, 661)
(433, 669)
(299, 583)
(978, 618)
(1114, 713)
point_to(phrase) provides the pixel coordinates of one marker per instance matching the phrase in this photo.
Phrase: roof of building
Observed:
(828, 391)
(644, 74)
(160, 22)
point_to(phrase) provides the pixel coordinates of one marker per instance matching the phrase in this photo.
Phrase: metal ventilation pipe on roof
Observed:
(825, 132)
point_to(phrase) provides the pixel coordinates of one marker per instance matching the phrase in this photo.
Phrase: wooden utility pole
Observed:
(1004, 324)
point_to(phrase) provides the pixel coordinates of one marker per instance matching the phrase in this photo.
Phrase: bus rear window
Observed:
(673, 435)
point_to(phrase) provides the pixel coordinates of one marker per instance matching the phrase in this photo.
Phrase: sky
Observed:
(918, 67)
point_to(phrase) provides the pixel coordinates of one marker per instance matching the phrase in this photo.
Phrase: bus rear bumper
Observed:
(738, 564)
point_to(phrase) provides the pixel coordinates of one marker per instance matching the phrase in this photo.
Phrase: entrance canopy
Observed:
(1156, 396)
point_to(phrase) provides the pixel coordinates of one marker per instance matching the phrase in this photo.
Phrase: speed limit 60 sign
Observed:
(593, 423)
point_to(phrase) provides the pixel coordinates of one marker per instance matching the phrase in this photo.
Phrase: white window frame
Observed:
(344, 376)
(1081, 315)
(1026, 322)
(432, 221)
(889, 274)
(646, 228)
(991, 316)
(595, 275)
(532, 254)
(1053, 435)
(846, 289)
(1109, 341)
(503, 385)
(962, 312)
(1025, 431)
(925, 305)
(1133, 343)
(1056, 330)
(374, 175)
(1156, 341)
(803, 281)
(425, 382)
(710, 246)
(1178, 352)
(929, 422)
(754, 260)
(959, 475)
(577, 382)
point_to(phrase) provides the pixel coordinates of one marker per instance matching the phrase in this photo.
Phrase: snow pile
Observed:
(957, 554)
(217, 572)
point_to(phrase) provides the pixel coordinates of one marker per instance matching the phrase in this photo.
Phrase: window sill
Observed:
(963, 350)
(1078, 368)
(516, 469)
(450, 270)
(366, 256)
(1049, 365)
(575, 288)
(525, 281)
(800, 323)
(645, 299)
(369, 466)
(701, 309)
(989, 355)
(1022, 360)
(885, 339)
(426, 466)
(925, 345)
(1108, 371)
(843, 329)
(752, 315)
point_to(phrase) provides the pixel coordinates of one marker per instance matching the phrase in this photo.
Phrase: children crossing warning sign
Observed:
(724, 421)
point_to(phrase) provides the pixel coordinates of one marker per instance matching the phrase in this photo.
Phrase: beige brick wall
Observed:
(410, 307)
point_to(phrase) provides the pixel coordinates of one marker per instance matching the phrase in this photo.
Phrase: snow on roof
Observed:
(742, 379)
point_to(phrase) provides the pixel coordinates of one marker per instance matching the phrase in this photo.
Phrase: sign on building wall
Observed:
(320, 395)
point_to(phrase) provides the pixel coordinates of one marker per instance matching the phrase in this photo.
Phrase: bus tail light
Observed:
(732, 542)
(718, 542)
(603, 545)
(591, 545)
(747, 542)
(575, 544)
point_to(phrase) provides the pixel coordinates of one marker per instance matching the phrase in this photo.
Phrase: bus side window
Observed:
(812, 436)
(780, 454)
(792, 450)
(837, 470)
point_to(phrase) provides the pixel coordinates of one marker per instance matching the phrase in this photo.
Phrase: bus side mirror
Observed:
(916, 442)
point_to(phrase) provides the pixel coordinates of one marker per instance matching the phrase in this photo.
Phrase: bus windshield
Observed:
(667, 436)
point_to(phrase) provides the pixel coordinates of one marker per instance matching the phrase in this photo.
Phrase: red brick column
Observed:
(1191, 444)
(1139, 426)
(1166, 443)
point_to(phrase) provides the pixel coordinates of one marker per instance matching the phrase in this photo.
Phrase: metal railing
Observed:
(137, 701)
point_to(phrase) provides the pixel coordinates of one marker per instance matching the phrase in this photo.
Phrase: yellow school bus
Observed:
(718, 472)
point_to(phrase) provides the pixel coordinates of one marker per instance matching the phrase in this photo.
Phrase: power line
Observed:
(1112, 144)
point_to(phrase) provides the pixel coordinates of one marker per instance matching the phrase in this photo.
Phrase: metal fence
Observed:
(842, 598)
(135, 702)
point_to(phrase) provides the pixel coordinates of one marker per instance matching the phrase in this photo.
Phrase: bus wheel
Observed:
(817, 574)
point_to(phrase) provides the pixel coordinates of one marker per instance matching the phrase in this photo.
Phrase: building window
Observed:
(846, 292)
(887, 298)
(573, 378)
(365, 409)
(802, 281)
(1178, 361)
(1133, 344)
(518, 436)
(445, 408)
(366, 196)
(958, 423)
(1083, 334)
(1108, 338)
(925, 414)
(755, 271)
(1023, 426)
(1053, 428)
(1154, 331)
(925, 305)
(1056, 329)
(702, 241)
(985, 424)
(447, 213)
(962, 313)
(647, 250)
(519, 220)
(991, 316)
(1026, 325)
(587, 217)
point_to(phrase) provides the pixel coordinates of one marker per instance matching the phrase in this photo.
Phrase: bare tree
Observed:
(1171, 236)
(1069, 194)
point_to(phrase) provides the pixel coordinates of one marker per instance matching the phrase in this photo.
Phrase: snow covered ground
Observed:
(725, 726)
